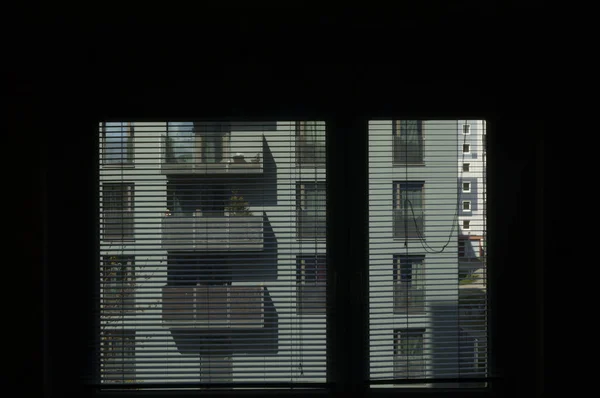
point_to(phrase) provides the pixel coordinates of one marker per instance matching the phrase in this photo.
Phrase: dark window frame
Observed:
(303, 219)
(402, 153)
(315, 287)
(408, 220)
(309, 152)
(126, 153)
(126, 231)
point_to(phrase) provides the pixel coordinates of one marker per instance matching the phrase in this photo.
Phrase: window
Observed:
(118, 143)
(414, 283)
(466, 148)
(118, 356)
(118, 283)
(466, 187)
(466, 224)
(310, 143)
(466, 167)
(409, 292)
(117, 208)
(226, 279)
(408, 142)
(408, 221)
(466, 205)
(197, 142)
(409, 359)
(466, 129)
(311, 278)
(214, 138)
(310, 203)
(239, 312)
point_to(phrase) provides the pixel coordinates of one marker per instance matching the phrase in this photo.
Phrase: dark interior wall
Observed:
(66, 73)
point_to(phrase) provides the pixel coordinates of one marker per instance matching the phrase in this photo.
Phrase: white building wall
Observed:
(440, 200)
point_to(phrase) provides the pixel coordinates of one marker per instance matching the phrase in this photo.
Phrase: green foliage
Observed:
(237, 205)
(467, 280)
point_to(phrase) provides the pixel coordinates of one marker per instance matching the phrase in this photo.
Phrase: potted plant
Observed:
(237, 205)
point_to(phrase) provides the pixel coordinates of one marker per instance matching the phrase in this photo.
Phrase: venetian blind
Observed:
(212, 254)
(427, 263)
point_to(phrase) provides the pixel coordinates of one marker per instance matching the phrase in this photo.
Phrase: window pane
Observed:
(427, 294)
(118, 142)
(223, 279)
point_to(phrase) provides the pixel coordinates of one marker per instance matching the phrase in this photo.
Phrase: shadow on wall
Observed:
(224, 342)
(269, 176)
(444, 335)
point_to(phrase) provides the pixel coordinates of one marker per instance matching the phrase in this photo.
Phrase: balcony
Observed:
(223, 233)
(407, 225)
(408, 299)
(242, 159)
(213, 307)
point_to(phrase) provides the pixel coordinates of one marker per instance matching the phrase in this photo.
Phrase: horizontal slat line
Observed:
(132, 386)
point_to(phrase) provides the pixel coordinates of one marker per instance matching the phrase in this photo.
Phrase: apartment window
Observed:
(310, 143)
(407, 144)
(466, 187)
(214, 138)
(408, 220)
(118, 143)
(118, 356)
(409, 283)
(409, 359)
(311, 278)
(197, 142)
(117, 209)
(118, 283)
(466, 148)
(466, 224)
(310, 204)
(180, 142)
(466, 167)
(466, 205)
(466, 129)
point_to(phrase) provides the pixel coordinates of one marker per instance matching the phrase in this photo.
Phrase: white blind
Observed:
(212, 253)
(427, 264)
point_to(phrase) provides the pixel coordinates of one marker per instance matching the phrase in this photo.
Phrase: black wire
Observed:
(426, 246)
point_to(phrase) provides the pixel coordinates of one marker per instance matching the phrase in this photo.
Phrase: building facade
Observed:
(213, 252)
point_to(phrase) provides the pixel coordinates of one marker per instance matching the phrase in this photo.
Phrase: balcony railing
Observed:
(407, 225)
(213, 307)
(212, 233)
(408, 299)
(191, 160)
